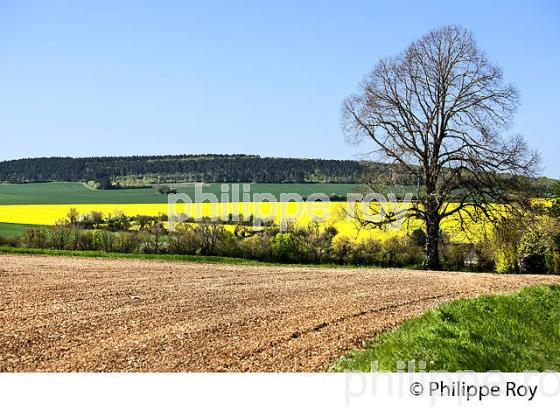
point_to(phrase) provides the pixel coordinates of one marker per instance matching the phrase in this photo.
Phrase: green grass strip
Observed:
(510, 333)
(117, 255)
(170, 258)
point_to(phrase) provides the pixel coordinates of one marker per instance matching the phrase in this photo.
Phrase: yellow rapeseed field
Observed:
(331, 214)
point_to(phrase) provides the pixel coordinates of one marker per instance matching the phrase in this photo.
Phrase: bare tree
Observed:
(436, 113)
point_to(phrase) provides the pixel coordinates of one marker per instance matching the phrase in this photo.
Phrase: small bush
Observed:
(402, 252)
(256, 247)
(12, 242)
(532, 251)
(166, 190)
(210, 237)
(453, 256)
(60, 235)
(418, 237)
(532, 264)
(342, 250)
(35, 238)
(284, 248)
(127, 242)
(104, 240)
(85, 241)
(366, 252)
(183, 241)
(485, 255)
(317, 243)
(118, 222)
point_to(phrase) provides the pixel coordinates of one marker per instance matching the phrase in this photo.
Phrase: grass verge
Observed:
(170, 258)
(509, 333)
(143, 256)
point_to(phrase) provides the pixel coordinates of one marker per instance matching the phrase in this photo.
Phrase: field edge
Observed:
(410, 331)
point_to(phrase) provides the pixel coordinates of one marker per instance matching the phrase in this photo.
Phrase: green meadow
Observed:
(78, 193)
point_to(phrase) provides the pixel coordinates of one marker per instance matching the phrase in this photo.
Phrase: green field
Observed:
(13, 230)
(77, 193)
(510, 333)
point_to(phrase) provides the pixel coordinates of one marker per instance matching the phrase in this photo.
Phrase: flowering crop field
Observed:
(47, 203)
(332, 214)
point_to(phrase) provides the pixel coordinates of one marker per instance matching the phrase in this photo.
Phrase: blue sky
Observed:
(85, 78)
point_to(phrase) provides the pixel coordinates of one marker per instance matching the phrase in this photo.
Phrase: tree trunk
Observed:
(432, 243)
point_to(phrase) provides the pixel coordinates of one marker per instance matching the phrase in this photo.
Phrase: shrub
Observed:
(256, 247)
(478, 257)
(317, 242)
(504, 240)
(454, 255)
(92, 220)
(104, 240)
(183, 241)
(35, 238)
(505, 260)
(118, 222)
(418, 237)
(166, 190)
(85, 241)
(283, 247)
(532, 264)
(73, 215)
(485, 254)
(209, 236)
(228, 245)
(342, 250)
(60, 235)
(127, 242)
(144, 221)
(532, 252)
(13, 242)
(366, 252)
(556, 252)
(400, 252)
(527, 244)
(152, 240)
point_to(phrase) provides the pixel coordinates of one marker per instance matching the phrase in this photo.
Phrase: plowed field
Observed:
(86, 314)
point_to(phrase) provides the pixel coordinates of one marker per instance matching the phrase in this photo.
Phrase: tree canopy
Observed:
(438, 113)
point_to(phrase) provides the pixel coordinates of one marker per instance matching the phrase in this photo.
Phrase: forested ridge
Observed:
(134, 171)
(188, 168)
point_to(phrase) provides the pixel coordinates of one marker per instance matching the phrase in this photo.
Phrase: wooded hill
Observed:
(183, 168)
(136, 171)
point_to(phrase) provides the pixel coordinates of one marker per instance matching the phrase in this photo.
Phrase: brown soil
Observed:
(82, 314)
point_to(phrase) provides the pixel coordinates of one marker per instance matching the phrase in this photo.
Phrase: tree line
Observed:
(528, 245)
(188, 168)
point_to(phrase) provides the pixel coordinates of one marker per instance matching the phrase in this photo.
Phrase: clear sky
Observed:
(85, 78)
